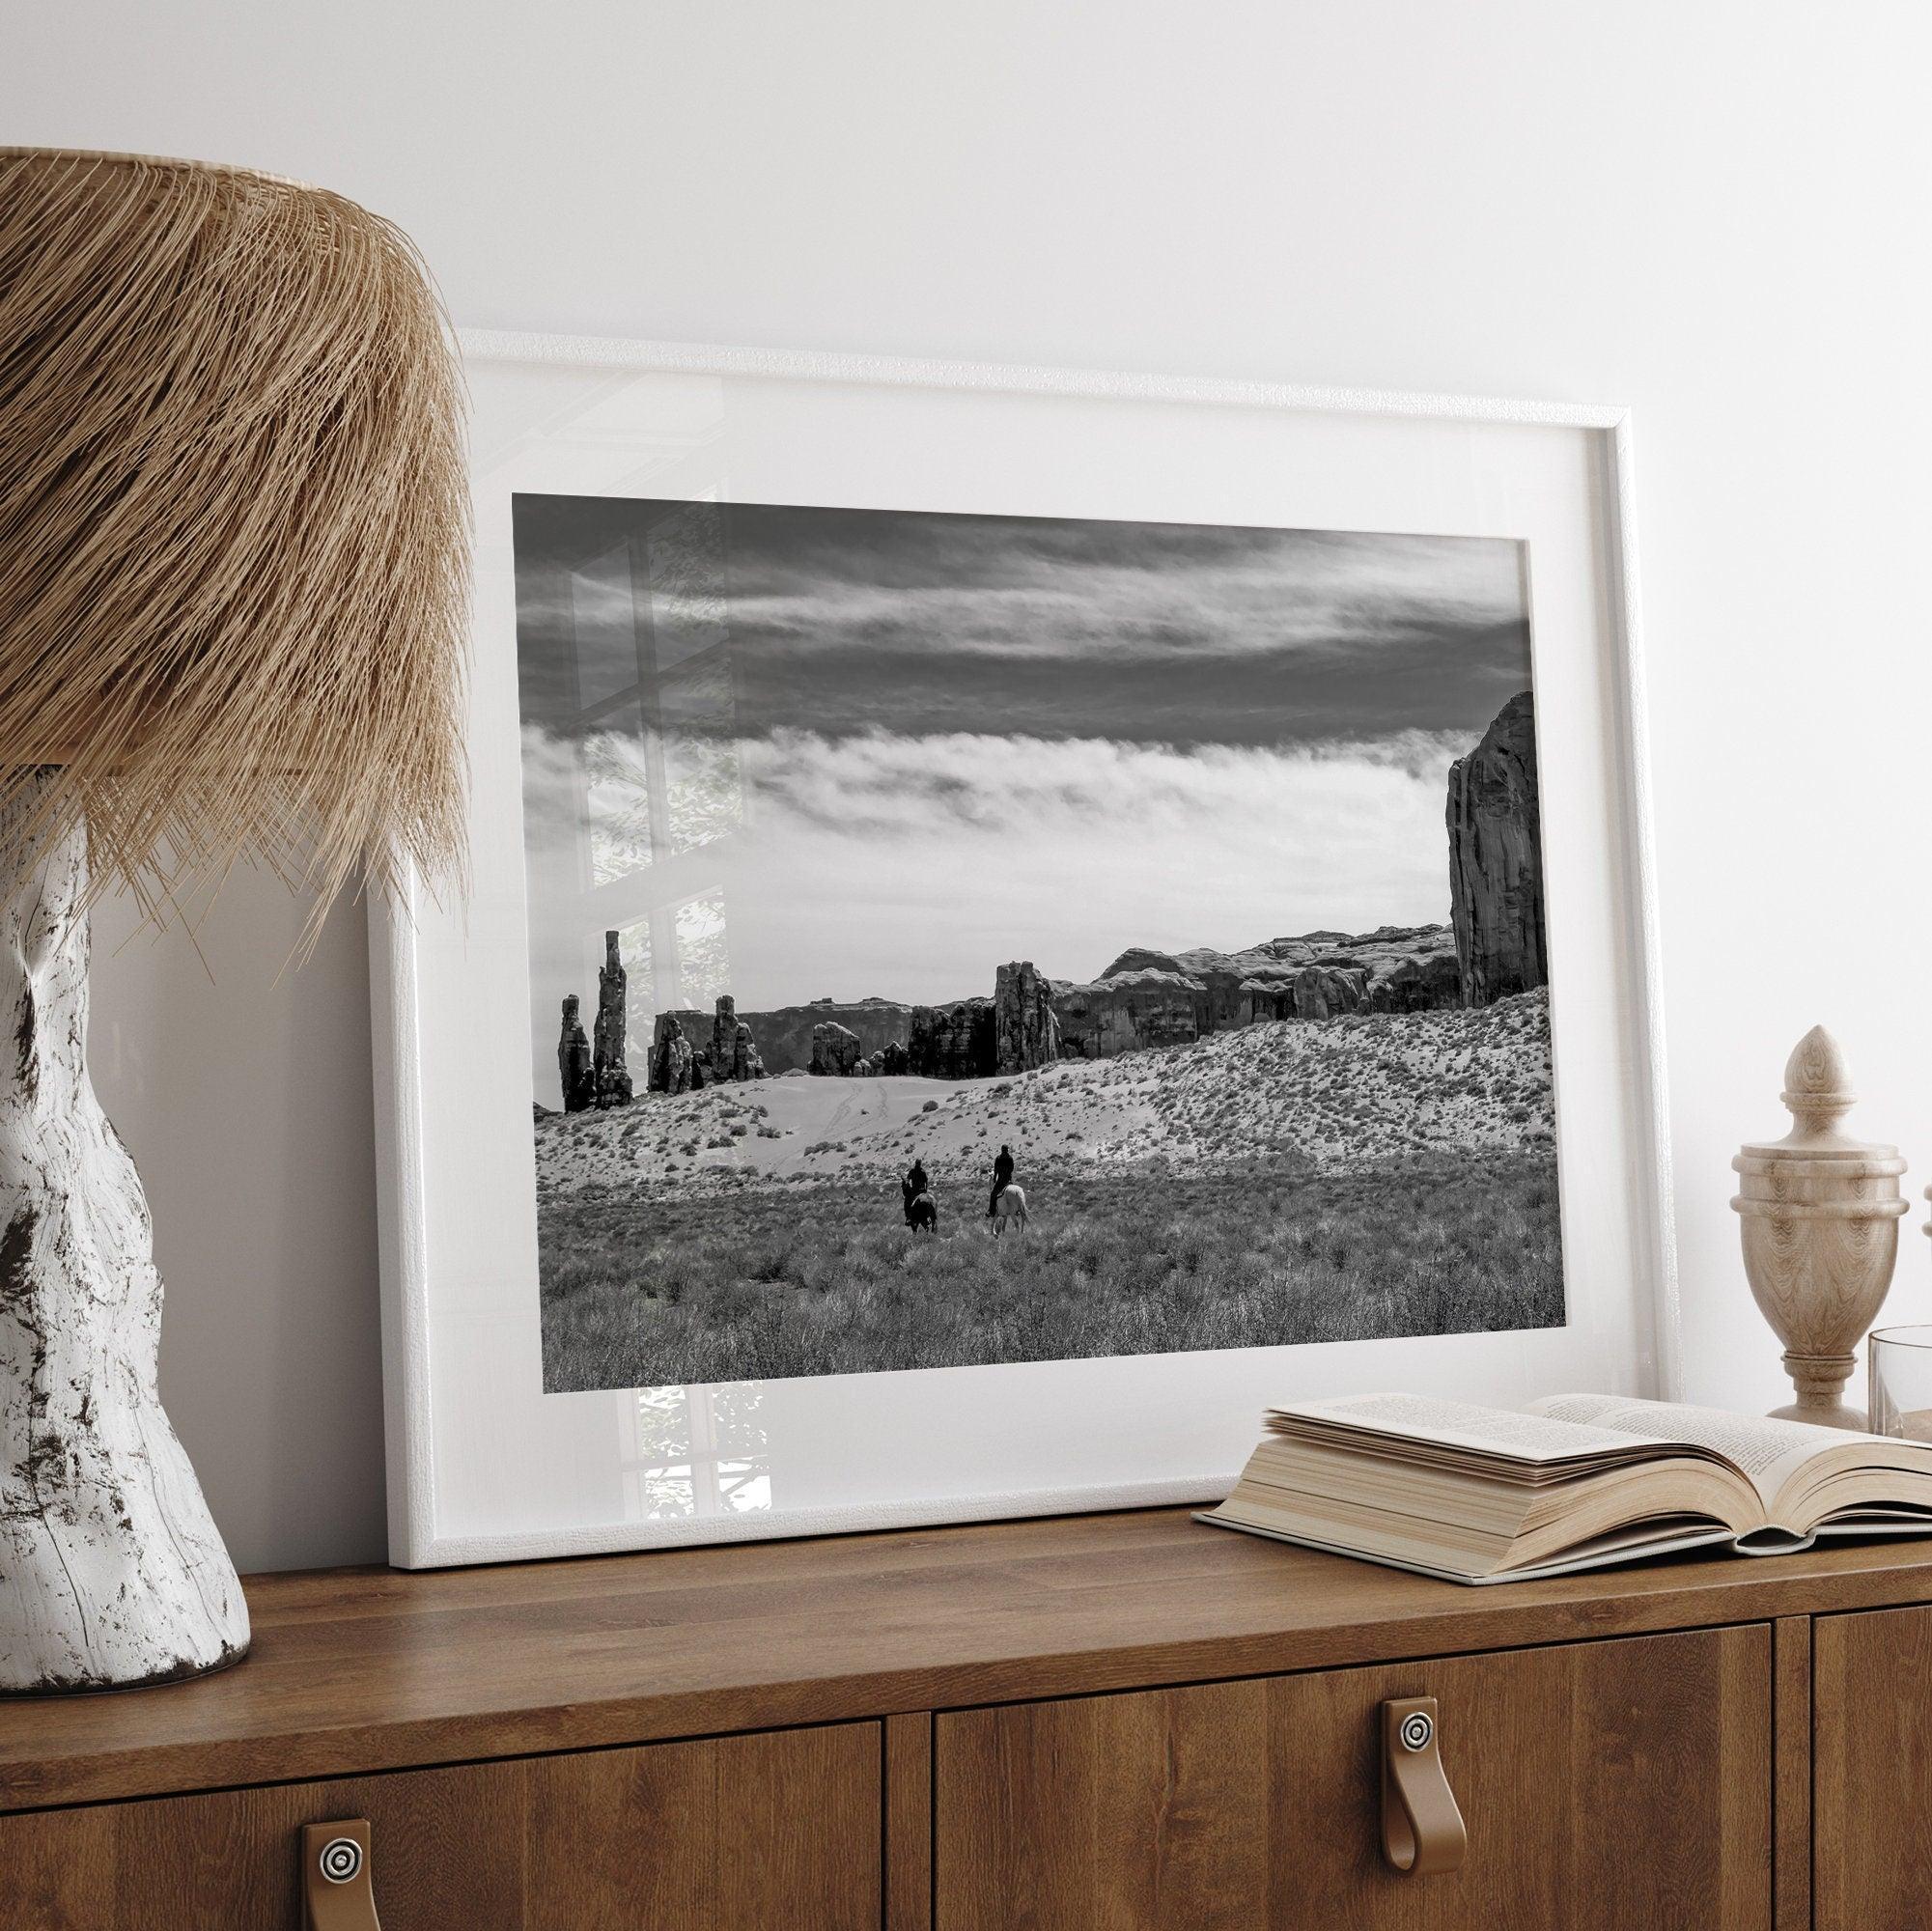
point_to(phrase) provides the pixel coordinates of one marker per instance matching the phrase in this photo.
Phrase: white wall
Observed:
(1715, 212)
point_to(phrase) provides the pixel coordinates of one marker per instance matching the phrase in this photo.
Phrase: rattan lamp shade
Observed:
(232, 524)
(233, 576)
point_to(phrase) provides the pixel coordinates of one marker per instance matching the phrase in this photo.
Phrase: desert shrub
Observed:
(782, 1279)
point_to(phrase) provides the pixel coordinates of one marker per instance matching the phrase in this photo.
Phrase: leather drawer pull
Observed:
(1422, 1829)
(336, 1889)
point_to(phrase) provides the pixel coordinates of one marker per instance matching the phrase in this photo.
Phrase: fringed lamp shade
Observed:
(232, 520)
(233, 576)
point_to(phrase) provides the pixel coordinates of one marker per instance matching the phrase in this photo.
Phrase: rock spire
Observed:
(1495, 861)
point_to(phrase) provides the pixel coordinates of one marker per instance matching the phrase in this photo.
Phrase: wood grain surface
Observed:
(1791, 1777)
(1617, 1785)
(368, 1670)
(745, 1834)
(1872, 1772)
(909, 1822)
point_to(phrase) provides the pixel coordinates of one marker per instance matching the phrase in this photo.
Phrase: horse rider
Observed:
(1002, 1177)
(912, 1186)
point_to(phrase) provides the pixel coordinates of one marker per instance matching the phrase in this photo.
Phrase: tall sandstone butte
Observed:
(1026, 1032)
(1495, 861)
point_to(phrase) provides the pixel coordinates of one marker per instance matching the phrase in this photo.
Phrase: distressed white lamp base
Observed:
(111, 1570)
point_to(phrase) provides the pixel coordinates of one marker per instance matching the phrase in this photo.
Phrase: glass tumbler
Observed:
(1901, 1374)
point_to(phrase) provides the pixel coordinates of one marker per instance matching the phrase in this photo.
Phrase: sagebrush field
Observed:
(820, 1280)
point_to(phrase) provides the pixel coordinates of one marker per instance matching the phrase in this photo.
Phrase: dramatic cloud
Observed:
(1285, 593)
(843, 619)
(911, 867)
(892, 790)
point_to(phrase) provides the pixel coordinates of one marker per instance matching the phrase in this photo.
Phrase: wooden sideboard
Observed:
(1118, 1721)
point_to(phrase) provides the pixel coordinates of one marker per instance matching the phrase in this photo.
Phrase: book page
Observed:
(1495, 1431)
(1765, 1451)
(1597, 1554)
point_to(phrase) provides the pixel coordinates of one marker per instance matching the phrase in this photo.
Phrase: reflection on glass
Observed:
(686, 577)
(698, 1451)
(616, 805)
(701, 780)
(1900, 1381)
(634, 955)
(704, 958)
(603, 619)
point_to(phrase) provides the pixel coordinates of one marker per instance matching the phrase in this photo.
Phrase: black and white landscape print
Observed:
(970, 939)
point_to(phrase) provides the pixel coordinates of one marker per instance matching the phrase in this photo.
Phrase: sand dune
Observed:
(1332, 1094)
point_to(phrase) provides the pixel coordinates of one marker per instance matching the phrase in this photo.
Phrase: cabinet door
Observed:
(744, 1833)
(1871, 1776)
(1604, 1784)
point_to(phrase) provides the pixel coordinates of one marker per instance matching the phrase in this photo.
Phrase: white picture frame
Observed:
(483, 1466)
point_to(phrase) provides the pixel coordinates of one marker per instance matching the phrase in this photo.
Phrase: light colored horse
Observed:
(1010, 1206)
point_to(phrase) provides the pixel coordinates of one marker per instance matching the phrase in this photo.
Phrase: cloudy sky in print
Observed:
(902, 747)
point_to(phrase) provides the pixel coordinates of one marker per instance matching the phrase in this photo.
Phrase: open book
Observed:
(1488, 1495)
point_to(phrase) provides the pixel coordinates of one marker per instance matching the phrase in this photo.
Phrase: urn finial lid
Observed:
(1817, 1084)
(1818, 1091)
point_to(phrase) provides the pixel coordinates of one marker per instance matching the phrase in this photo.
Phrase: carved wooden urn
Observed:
(1820, 1214)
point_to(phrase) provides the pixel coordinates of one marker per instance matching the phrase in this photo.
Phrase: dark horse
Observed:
(921, 1209)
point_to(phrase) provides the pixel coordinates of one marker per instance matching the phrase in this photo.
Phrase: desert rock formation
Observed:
(745, 1063)
(671, 1057)
(734, 1049)
(835, 1049)
(691, 1050)
(784, 1033)
(1026, 1032)
(574, 1064)
(609, 1069)
(1496, 862)
(959, 1042)
(1147, 1000)
(724, 1050)
(1152, 1001)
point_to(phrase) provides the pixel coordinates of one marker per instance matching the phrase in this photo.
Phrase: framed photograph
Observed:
(1018, 917)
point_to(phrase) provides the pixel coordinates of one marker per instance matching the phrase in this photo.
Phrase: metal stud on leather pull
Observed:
(336, 1892)
(1422, 1829)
